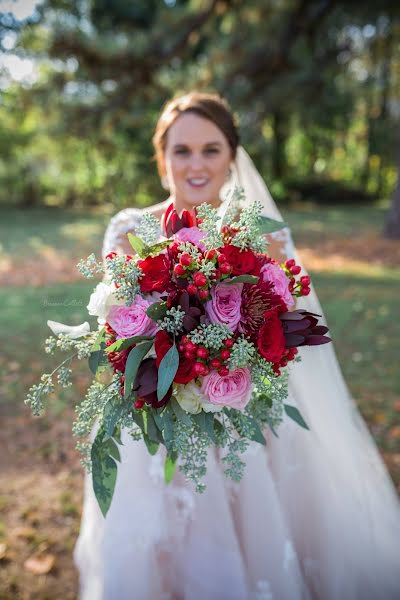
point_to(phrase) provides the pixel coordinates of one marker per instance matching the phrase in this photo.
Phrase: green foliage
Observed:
(314, 84)
(167, 371)
(135, 357)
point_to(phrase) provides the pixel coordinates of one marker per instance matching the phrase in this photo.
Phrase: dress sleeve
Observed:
(115, 237)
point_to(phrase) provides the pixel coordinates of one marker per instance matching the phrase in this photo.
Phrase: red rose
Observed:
(162, 344)
(156, 273)
(271, 340)
(244, 262)
(118, 359)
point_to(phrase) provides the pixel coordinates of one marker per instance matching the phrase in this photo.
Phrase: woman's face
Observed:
(197, 159)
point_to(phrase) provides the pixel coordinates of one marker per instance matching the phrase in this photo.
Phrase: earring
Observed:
(165, 182)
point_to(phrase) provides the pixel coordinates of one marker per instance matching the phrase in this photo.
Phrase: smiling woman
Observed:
(315, 514)
(196, 140)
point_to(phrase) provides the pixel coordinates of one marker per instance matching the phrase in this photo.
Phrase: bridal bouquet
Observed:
(194, 332)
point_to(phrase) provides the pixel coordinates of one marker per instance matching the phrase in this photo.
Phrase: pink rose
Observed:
(129, 321)
(277, 276)
(224, 306)
(233, 390)
(192, 235)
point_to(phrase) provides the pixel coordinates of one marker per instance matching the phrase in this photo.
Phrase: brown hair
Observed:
(209, 106)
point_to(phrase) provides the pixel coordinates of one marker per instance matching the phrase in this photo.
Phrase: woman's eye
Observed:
(212, 151)
(181, 151)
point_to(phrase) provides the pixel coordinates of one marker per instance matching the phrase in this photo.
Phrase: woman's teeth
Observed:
(198, 182)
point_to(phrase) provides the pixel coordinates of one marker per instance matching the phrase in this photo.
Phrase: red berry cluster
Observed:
(290, 353)
(199, 284)
(204, 362)
(300, 287)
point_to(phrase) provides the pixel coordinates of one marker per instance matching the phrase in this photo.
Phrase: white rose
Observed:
(191, 399)
(101, 301)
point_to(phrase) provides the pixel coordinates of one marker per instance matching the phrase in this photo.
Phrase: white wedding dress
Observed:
(315, 516)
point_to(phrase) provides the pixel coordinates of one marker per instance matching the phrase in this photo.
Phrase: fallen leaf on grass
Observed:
(40, 565)
(28, 533)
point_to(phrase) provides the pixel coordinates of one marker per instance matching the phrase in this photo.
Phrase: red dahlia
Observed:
(256, 300)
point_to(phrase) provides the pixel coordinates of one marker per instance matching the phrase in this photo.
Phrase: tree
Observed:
(392, 222)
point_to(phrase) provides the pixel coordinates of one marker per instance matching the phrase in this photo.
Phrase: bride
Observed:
(315, 515)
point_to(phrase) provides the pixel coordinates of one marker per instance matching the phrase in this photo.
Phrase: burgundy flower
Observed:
(146, 384)
(173, 222)
(301, 328)
(256, 300)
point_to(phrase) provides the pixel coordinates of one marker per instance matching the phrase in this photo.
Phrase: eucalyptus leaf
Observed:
(169, 469)
(179, 412)
(112, 413)
(112, 449)
(157, 311)
(168, 430)
(97, 351)
(152, 447)
(295, 414)
(125, 343)
(257, 435)
(96, 358)
(137, 244)
(135, 357)
(243, 279)
(151, 428)
(167, 371)
(209, 425)
(267, 225)
(104, 473)
(200, 420)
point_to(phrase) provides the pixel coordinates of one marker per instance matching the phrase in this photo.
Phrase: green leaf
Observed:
(179, 412)
(157, 311)
(167, 371)
(156, 248)
(112, 413)
(200, 420)
(96, 358)
(267, 225)
(137, 244)
(151, 428)
(135, 357)
(257, 435)
(295, 414)
(97, 351)
(125, 343)
(112, 449)
(152, 447)
(168, 428)
(104, 473)
(169, 469)
(209, 425)
(243, 279)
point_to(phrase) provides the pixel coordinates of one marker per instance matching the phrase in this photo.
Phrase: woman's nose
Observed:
(196, 162)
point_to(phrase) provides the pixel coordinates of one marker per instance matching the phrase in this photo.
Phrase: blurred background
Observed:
(315, 85)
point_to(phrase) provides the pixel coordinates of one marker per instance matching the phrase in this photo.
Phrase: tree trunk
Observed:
(278, 155)
(392, 222)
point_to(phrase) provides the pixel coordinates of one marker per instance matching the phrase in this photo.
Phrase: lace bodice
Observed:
(115, 237)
